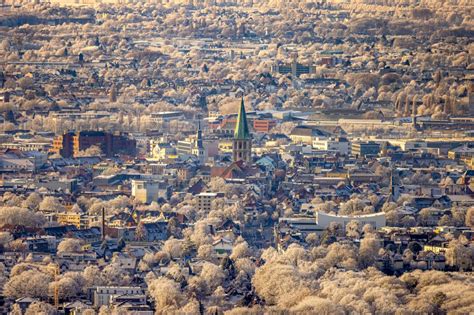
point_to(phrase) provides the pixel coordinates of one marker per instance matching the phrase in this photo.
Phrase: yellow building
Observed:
(80, 220)
(435, 249)
(161, 151)
(225, 146)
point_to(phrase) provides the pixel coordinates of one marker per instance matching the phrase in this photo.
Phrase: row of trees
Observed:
(37, 280)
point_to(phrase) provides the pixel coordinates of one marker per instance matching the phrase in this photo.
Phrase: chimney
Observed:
(103, 223)
(211, 228)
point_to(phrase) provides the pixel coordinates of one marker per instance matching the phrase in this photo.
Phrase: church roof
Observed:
(241, 127)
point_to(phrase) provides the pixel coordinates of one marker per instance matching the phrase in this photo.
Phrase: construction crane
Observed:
(57, 271)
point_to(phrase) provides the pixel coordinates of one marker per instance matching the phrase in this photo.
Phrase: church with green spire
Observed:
(242, 142)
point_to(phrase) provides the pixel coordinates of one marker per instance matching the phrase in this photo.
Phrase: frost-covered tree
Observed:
(30, 283)
(69, 245)
(173, 247)
(166, 294)
(33, 201)
(459, 255)
(21, 217)
(205, 252)
(240, 250)
(51, 204)
(114, 275)
(369, 248)
(353, 229)
(470, 217)
(40, 308)
(212, 275)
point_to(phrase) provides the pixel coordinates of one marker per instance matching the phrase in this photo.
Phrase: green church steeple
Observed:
(241, 127)
(242, 142)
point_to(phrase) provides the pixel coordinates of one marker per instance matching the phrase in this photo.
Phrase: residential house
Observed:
(222, 247)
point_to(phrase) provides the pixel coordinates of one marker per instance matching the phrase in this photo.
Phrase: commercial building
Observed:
(70, 144)
(336, 145)
(20, 161)
(80, 220)
(104, 295)
(294, 68)
(63, 184)
(364, 149)
(162, 117)
(204, 200)
(27, 146)
(263, 125)
(409, 144)
(376, 220)
(462, 152)
(306, 134)
(322, 220)
(146, 191)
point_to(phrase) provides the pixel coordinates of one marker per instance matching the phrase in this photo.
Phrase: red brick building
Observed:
(64, 145)
(70, 144)
(263, 125)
